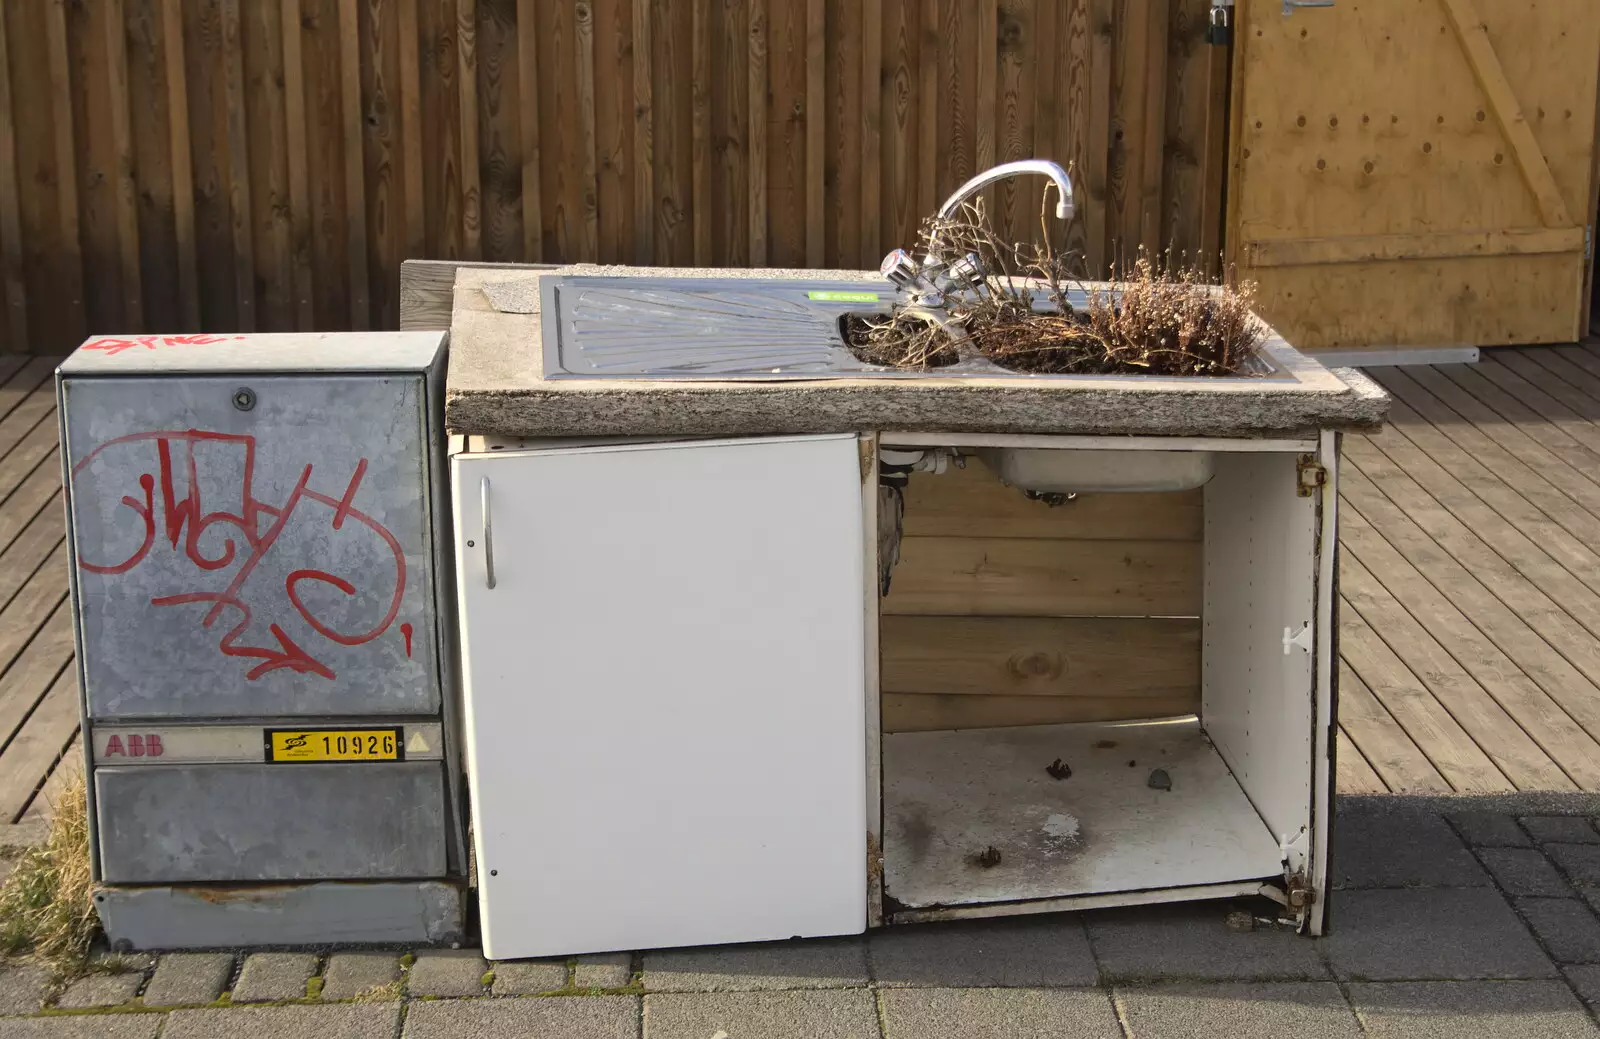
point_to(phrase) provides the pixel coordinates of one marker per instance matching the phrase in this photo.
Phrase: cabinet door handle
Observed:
(488, 536)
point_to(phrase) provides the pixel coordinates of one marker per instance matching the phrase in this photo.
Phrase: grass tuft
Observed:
(47, 903)
(386, 993)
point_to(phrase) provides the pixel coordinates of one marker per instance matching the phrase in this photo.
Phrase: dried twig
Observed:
(1157, 320)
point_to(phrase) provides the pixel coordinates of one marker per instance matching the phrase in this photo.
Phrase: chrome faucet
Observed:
(929, 280)
(1043, 167)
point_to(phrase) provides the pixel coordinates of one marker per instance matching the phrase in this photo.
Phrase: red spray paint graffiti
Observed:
(257, 525)
(114, 345)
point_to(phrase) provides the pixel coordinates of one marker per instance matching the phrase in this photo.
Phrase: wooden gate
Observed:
(1415, 172)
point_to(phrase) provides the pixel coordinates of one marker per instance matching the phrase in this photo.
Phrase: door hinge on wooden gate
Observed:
(1310, 474)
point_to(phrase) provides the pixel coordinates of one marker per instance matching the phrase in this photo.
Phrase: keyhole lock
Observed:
(244, 398)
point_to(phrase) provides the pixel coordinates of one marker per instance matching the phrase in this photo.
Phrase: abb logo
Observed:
(137, 746)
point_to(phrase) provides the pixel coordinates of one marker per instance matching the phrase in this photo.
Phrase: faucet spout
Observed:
(1044, 167)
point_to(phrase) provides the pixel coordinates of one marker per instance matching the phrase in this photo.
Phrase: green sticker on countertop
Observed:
(825, 296)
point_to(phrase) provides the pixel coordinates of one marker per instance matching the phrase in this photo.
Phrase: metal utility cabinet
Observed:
(263, 637)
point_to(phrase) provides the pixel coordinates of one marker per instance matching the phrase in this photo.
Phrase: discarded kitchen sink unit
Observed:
(846, 651)
(263, 625)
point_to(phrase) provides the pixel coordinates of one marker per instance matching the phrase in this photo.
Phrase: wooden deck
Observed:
(38, 690)
(1470, 581)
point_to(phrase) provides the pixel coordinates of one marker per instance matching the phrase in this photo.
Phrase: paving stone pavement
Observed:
(1449, 917)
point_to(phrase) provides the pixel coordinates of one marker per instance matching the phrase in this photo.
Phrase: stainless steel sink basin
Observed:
(603, 327)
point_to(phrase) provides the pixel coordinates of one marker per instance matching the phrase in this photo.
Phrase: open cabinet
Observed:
(737, 690)
(1107, 698)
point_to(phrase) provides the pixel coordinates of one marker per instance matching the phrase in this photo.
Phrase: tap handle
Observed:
(901, 270)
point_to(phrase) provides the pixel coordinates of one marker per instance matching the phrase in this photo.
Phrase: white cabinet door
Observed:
(664, 692)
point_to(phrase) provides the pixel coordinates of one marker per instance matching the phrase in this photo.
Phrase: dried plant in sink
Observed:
(1007, 304)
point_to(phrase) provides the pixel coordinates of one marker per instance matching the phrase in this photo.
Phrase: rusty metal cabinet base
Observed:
(427, 912)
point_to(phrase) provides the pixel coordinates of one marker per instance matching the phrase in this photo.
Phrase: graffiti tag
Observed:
(251, 530)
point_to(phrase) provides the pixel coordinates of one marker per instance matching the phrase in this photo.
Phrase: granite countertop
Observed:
(496, 387)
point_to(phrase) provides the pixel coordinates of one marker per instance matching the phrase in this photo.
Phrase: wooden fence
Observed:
(235, 165)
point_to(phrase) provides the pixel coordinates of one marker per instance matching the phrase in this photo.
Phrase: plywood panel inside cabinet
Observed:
(1081, 657)
(1004, 611)
(924, 712)
(972, 502)
(1039, 577)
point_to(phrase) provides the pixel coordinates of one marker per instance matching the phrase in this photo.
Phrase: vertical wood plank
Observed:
(955, 149)
(816, 127)
(1071, 129)
(699, 120)
(499, 131)
(16, 293)
(901, 177)
(613, 49)
(1196, 103)
(986, 42)
(354, 163)
(208, 132)
(244, 258)
(528, 118)
(261, 37)
(1016, 211)
(380, 161)
(1125, 172)
(329, 237)
(871, 133)
(758, 102)
(589, 216)
(152, 164)
(842, 173)
(1097, 143)
(786, 138)
(467, 85)
(672, 135)
(1050, 138)
(182, 163)
(125, 202)
(71, 248)
(926, 154)
(730, 116)
(294, 110)
(644, 210)
(415, 232)
(1154, 75)
(559, 173)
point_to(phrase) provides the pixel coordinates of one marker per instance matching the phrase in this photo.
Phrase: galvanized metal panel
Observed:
(241, 823)
(265, 352)
(384, 913)
(268, 560)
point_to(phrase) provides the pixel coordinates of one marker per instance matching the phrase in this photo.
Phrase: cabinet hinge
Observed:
(1311, 475)
(1301, 893)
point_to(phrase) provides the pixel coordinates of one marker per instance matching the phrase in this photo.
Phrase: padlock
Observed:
(1219, 33)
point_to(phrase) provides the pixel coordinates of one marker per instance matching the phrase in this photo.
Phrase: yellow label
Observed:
(286, 745)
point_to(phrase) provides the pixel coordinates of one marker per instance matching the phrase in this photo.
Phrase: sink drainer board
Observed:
(951, 796)
(743, 329)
